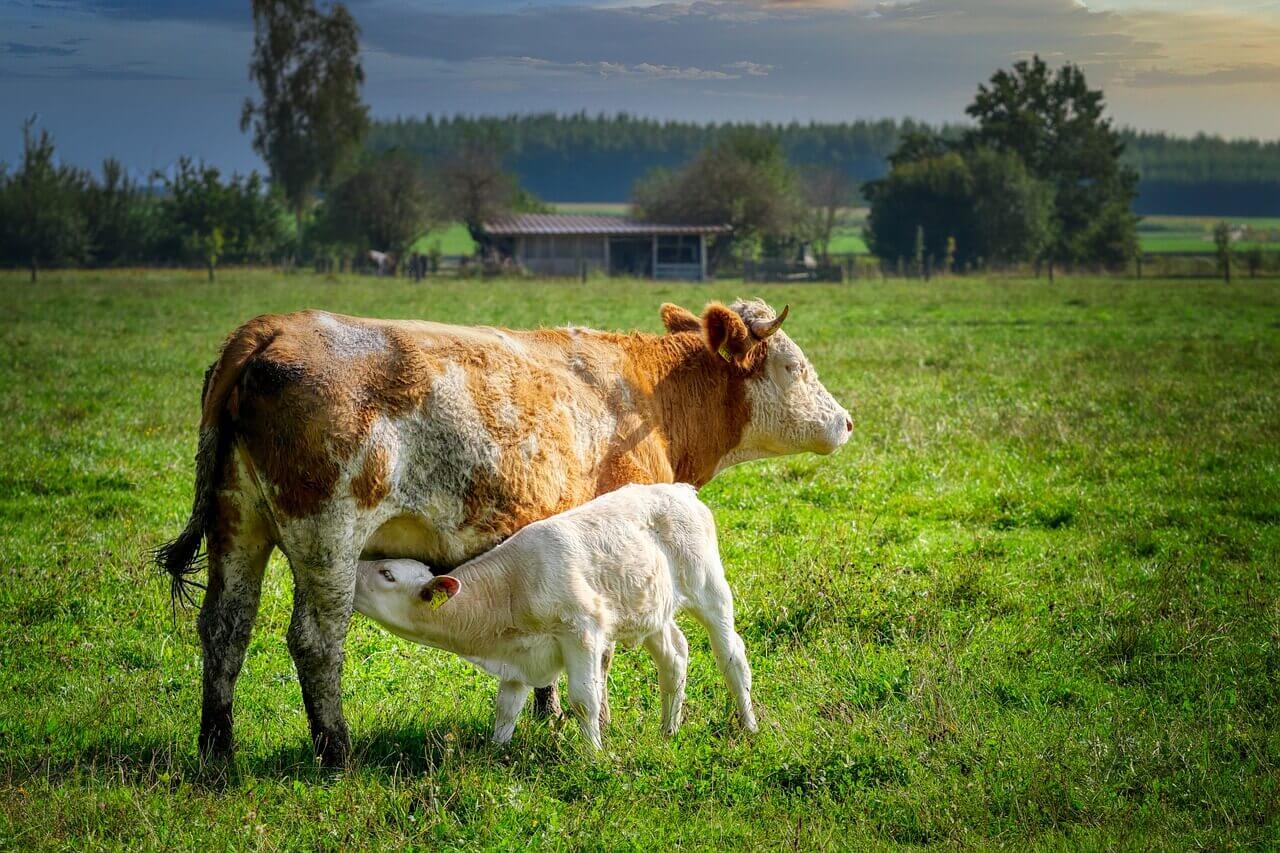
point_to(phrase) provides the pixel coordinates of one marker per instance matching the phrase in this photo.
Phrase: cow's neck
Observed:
(697, 405)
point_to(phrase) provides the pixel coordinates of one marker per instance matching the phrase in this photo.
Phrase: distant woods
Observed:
(586, 158)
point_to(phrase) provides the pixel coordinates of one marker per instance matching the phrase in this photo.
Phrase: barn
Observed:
(575, 244)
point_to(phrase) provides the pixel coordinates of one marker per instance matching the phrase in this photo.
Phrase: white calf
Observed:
(555, 595)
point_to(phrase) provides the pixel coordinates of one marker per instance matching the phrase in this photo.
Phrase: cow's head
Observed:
(789, 410)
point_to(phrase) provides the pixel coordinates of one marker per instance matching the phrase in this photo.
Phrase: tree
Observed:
(40, 207)
(827, 192)
(386, 205)
(475, 187)
(743, 181)
(121, 219)
(927, 201)
(1054, 122)
(964, 206)
(310, 119)
(1222, 248)
(209, 220)
(1012, 211)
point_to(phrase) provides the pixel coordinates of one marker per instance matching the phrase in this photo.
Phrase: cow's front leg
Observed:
(323, 595)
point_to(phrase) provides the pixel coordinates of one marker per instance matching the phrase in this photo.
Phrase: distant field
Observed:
(1033, 604)
(1155, 233)
(1195, 233)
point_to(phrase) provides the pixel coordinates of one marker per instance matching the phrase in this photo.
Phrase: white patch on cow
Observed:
(508, 414)
(593, 429)
(348, 340)
(445, 449)
(529, 447)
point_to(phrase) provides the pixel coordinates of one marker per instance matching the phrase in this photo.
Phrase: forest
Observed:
(582, 157)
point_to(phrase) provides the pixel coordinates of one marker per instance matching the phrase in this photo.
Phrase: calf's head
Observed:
(402, 595)
(789, 410)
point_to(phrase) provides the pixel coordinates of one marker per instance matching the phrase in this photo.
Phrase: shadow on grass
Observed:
(392, 752)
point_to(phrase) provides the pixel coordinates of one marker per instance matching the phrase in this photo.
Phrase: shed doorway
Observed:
(631, 256)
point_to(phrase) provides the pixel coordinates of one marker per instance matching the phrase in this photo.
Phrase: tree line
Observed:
(582, 157)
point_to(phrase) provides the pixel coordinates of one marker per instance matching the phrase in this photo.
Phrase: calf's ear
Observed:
(440, 589)
(677, 319)
(726, 334)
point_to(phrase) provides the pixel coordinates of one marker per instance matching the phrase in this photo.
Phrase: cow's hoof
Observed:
(546, 703)
(216, 744)
(333, 749)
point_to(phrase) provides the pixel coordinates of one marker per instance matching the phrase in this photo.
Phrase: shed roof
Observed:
(542, 224)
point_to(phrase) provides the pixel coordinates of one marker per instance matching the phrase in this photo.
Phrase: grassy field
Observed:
(1033, 602)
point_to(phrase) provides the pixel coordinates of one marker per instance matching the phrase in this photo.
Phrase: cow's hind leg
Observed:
(238, 554)
(324, 560)
(546, 702)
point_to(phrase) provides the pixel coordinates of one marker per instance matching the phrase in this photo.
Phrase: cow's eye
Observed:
(386, 574)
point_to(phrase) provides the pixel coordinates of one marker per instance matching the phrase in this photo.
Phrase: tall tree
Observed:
(827, 192)
(474, 184)
(40, 206)
(310, 119)
(1056, 124)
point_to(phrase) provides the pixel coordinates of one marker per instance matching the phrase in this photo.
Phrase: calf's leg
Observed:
(670, 651)
(510, 701)
(606, 661)
(582, 666)
(715, 612)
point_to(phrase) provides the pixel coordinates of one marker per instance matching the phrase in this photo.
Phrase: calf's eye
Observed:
(386, 574)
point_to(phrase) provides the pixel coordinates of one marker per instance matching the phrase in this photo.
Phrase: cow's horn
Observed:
(765, 328)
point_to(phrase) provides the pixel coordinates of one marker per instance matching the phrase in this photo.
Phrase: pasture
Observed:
(1033, 601)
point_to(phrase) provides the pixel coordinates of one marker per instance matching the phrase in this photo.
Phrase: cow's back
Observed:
(443, 440)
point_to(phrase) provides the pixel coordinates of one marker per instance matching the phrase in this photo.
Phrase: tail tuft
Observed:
(181, 559)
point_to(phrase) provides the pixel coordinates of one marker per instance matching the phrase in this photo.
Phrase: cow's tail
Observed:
(182, 557)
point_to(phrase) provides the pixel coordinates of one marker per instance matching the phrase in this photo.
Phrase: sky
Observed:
(149, 80)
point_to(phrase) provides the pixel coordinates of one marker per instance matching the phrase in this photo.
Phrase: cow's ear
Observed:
(440, 589)
(678, 319)
(726, 334)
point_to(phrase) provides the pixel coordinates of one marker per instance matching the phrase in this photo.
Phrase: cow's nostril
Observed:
(848, 425)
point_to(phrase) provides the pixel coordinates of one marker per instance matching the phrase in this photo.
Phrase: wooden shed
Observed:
(571, 245)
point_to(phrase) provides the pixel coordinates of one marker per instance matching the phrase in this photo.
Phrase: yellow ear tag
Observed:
(438, 597)
(724, 352)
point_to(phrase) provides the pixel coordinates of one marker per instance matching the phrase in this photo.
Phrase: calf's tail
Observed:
(182, 557)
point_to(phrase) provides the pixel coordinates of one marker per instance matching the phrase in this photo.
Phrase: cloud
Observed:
(17, 48)
(618, 69)
(1247, 74)
(751, 69)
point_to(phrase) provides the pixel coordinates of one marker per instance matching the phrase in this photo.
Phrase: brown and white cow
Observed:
(334, 438)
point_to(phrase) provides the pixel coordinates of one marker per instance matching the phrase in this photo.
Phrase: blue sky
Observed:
(148, 80)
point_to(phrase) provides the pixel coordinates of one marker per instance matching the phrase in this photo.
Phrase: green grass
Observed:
(451, 239)
(1195, 233)
(1033, 602)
